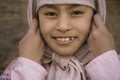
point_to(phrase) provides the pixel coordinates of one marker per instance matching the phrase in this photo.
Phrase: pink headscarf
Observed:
(65, 68)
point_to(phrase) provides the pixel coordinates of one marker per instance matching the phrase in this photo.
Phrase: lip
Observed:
(63, 43)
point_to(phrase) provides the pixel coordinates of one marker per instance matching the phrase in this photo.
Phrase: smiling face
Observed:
(65, 28)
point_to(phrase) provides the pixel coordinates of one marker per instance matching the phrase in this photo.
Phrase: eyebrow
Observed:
(52, 6)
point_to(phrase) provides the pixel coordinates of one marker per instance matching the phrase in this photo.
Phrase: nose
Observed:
(63, 24)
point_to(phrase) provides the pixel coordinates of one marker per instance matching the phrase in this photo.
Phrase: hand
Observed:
(32, 45)
(100, 40)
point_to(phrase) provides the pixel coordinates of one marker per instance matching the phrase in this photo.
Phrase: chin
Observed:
(65, 52)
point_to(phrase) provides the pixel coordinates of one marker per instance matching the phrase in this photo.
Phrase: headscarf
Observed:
(65, 68)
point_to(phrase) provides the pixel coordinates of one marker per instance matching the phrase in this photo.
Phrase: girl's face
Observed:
(65, 28)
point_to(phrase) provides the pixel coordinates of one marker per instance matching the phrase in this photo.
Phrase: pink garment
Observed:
(104, 67)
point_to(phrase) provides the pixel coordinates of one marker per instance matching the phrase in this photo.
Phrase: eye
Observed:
(76, 13)
(51, 14)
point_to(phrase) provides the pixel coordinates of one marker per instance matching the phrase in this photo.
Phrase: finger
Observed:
(98, 21)
(34, 25)
(38, 32)
(33, 29)
(93, 26)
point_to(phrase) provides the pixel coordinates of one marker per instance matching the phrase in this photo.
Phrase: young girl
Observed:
(66, 40)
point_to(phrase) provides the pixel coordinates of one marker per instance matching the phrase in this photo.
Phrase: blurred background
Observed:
(13, 26)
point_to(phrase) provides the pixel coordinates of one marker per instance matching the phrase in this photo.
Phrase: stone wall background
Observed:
(13, 25)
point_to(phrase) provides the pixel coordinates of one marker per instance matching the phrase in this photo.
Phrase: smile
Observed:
(62, 41)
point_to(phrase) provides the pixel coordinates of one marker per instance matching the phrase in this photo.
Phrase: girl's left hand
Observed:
(100, 39)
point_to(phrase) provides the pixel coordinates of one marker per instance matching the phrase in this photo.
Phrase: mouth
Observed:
(64, 40)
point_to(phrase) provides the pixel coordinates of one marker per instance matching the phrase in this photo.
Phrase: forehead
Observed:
(68, 6)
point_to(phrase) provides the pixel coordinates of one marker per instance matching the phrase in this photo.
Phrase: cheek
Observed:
(83, 25)
(45, 27)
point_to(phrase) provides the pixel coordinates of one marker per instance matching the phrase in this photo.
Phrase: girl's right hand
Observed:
(32, 45)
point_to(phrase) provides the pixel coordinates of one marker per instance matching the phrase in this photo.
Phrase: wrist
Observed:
(35, 59)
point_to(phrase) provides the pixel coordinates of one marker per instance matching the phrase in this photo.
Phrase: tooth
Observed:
(63, 39)
(67, 39)
(59, 39)
(72, 38)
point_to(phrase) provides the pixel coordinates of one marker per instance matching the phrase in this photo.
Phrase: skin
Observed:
(32, 45)
(64, 21)
(100, 39)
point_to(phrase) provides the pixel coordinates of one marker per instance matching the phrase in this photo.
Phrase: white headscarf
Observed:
(64, 68)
